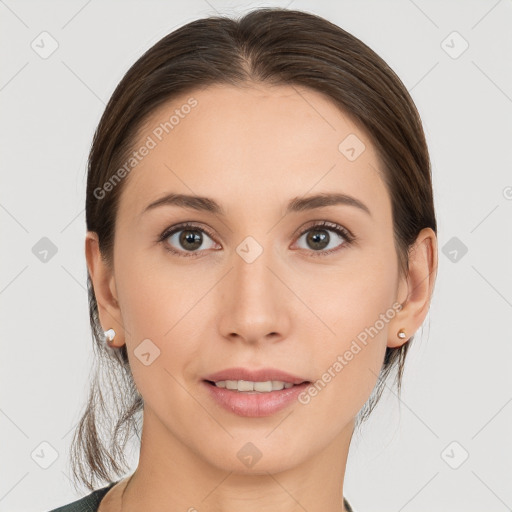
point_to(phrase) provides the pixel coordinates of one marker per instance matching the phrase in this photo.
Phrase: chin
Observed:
(257, 457)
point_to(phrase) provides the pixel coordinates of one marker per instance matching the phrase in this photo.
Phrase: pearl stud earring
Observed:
(109, 336)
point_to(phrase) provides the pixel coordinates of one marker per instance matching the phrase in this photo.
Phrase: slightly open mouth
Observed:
(213, 384)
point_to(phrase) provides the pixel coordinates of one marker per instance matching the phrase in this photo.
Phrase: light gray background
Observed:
(457, 384)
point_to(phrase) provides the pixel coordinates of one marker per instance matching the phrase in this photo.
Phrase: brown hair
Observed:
(271, 46)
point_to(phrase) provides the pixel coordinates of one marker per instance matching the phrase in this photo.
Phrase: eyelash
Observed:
(340, 230)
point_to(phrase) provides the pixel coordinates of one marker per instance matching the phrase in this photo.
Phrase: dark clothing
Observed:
(91, 502)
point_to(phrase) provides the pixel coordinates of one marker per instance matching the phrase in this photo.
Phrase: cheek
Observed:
(351, 297)
(356, 306)
(157, 301)
(153, 292)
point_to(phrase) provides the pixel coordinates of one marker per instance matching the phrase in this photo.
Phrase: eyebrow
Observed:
(297, 204)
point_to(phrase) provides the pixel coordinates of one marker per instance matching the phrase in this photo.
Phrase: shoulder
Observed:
(88, 503)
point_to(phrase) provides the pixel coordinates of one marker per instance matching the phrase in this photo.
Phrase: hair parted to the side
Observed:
(271, 46)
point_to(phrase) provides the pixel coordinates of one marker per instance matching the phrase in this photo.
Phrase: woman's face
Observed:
(257, 285)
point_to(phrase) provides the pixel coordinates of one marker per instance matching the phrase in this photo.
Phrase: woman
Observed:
(261, 248)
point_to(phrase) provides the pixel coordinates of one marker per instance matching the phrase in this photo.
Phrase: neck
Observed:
(170, 475)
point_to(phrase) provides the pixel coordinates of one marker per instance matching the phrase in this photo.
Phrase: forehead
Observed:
(251, 144)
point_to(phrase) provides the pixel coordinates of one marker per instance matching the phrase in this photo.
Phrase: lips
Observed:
(259, 375)
(254, 404)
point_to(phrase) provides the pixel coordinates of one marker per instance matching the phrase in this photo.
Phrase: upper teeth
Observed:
(248, 385)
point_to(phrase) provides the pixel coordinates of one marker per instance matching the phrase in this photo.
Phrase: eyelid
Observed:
(189, 225)
(348, 235)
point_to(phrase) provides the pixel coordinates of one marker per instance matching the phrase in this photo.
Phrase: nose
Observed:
(254, 301)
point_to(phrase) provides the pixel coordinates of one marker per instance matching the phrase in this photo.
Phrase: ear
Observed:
(415, 290)
(103, 281)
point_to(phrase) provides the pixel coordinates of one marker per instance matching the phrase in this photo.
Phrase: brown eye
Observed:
(190, 239)
(186, 240)
(319, 239)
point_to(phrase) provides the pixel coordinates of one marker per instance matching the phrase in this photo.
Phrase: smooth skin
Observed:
(252, 149)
